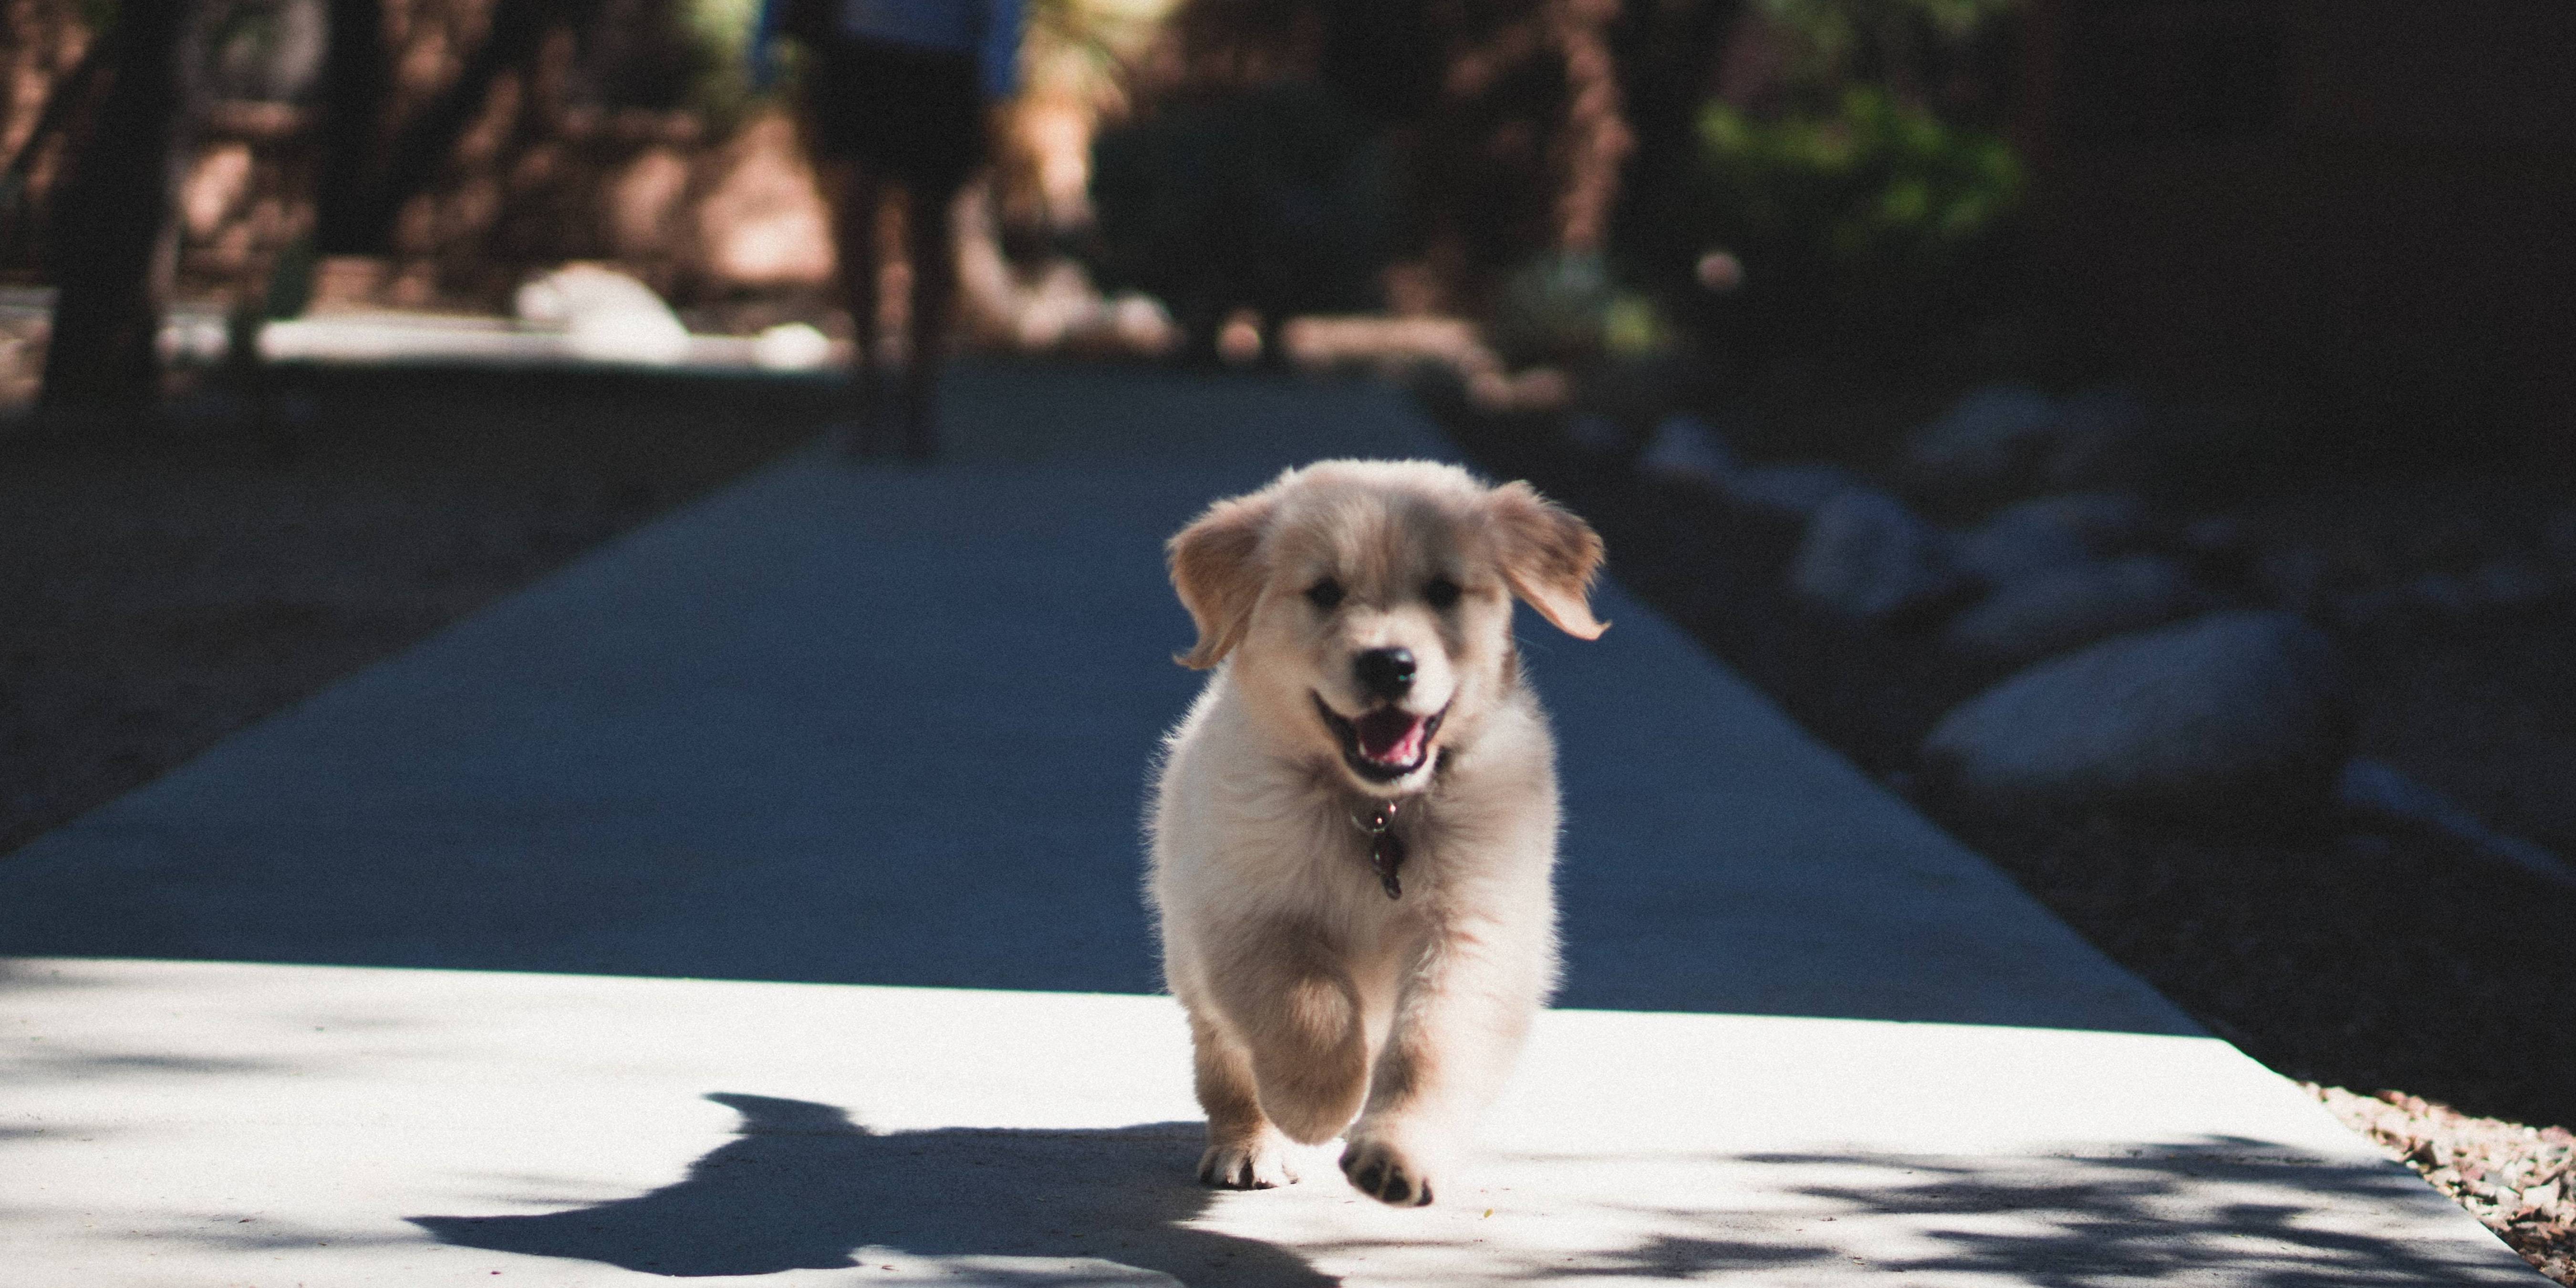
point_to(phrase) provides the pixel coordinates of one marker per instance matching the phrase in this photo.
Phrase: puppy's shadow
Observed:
(804, 1187)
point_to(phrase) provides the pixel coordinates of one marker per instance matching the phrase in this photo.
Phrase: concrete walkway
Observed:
(844, 729)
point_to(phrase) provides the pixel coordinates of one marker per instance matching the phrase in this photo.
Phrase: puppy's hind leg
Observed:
(1244, 1151)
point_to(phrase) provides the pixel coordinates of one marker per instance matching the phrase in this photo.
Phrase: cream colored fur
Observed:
(1318, 1005)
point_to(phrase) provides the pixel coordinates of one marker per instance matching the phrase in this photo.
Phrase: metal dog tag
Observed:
(1386, 849)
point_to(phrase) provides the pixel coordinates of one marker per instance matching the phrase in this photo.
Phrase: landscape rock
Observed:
(2444, 594)
(2097, 440)
(2061, 608)
(605, 315)
(2217, 536)
(2507, 581)
(2368, 608)
(1866, 556)
(2008, 439)
(1688, 449)
(2377, 787)
(2051, 531)
(2295, 576)
(2511, 580)
(2558, 538)
(1596, 434)
(2235, 722)
(1986, 439)
(1794, 491)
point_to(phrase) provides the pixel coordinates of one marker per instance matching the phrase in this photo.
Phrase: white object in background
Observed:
(605, 315)
(791, 346)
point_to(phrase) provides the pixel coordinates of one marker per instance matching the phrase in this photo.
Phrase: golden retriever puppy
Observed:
(1354, 827)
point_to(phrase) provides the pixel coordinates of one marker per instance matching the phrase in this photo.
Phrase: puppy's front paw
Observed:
(1260, 1163)
(1387, 1169)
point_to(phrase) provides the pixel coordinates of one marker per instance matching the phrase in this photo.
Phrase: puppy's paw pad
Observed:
(1258, 1166)
(1387, 1173)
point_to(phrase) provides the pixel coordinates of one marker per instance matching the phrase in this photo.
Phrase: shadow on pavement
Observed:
(806, 1188)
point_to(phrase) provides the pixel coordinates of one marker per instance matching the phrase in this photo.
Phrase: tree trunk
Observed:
(1593, 140)
(1668, 56)
(356, 83)
(115, 226)
(372, 174)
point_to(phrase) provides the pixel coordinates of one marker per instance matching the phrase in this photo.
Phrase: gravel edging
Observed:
(2520, 1181)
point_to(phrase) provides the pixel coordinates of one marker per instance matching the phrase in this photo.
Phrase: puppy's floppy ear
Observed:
(1216, 567)
(1548, 556)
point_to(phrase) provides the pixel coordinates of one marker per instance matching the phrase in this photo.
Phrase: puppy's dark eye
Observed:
(1325, 594)
(1441, 592)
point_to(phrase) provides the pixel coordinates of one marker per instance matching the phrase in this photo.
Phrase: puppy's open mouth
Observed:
(1384, 744)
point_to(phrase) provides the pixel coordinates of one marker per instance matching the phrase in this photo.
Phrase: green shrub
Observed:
(1568, 308)
(1855, 167)
(1873, 195)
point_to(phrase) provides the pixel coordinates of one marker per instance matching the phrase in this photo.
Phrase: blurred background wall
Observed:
(454, 143)
(2354, 210)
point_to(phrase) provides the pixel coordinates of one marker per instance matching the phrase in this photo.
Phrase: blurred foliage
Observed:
(1852, 160)
(723, 83)
(1552, 309)
(1569, 309)
(1633, 327)
(722, 27)
(1832, 43)
(266, 50)
(719, 33)
(290, 280)
(1281, 200)
(1085, 49)
(1874, 191)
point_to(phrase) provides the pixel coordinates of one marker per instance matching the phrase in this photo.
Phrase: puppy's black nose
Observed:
(1385, 672)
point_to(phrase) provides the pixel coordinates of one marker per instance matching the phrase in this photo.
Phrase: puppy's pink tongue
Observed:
(1389, 736)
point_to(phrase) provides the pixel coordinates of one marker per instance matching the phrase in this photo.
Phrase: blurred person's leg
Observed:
(889, 116)
(931, 252)
(857, 196)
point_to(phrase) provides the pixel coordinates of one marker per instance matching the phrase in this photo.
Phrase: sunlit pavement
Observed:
(866, 744)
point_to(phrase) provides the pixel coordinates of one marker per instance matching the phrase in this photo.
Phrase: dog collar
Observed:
(1376, 820)
(1386, 849)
